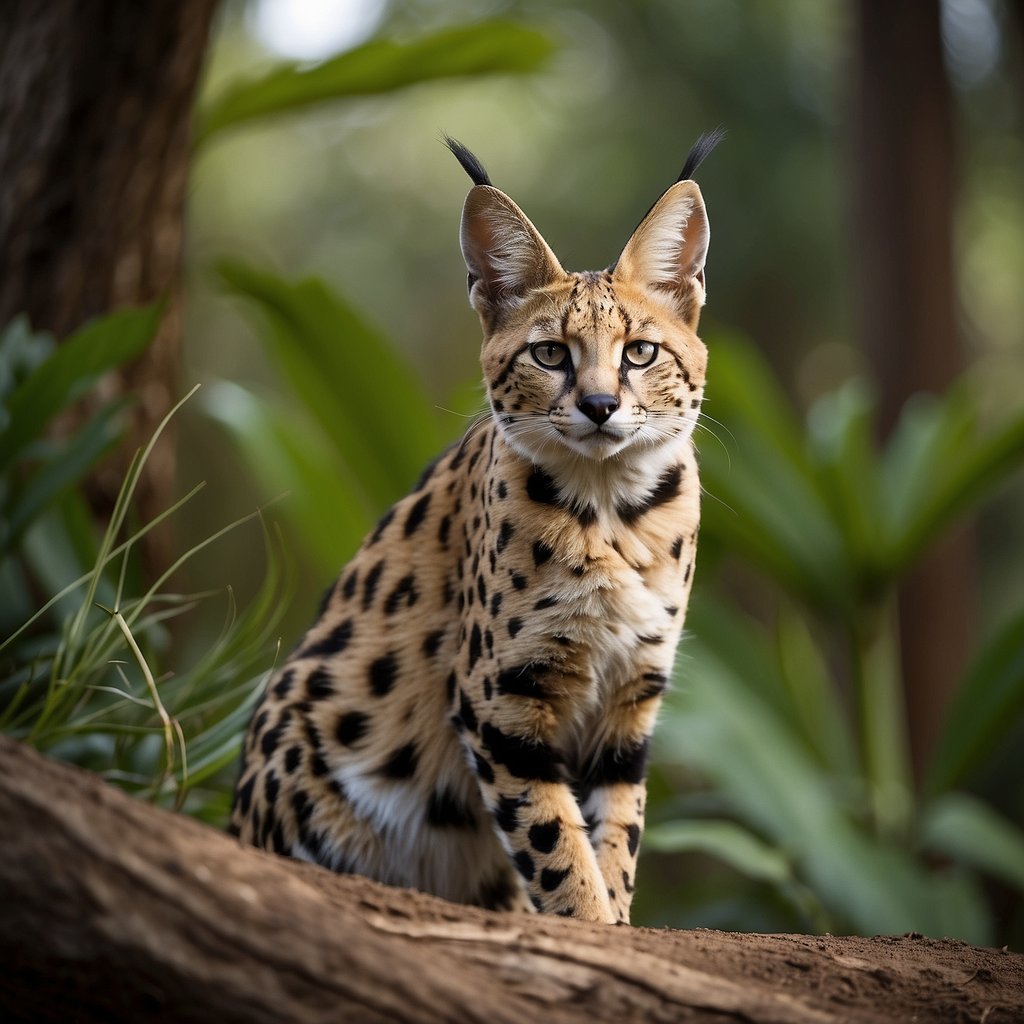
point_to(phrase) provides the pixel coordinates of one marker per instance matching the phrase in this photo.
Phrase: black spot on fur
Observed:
(551, 878)
(292, 758)
(522, 757)
(370, 584)
(519, 581)
(514, 625)
(450, 686)
(351, 727)
(283, 686)
(541, 553)
(546, 602)
(657, 685)
(382, 674)
(626, 883)
(496, 600)
(677, 548)
(318, 685)
(522, 681)
(382, 525)
(303, 808)
(506, 814)
(541, 487)
(544, 835)
(443, 530)
(405, 591)
(474, 646)
(432, 641)
(466, 712)
(483, 769)
(417, 514)
(666, 489)
(481, 589)
(402, 763)
(348, 588)
(271, 787)
(505, 535)
(334, 643)
(243, 797)
(502, 490)
(272, 737)
(445, 809)
(625, 764)
(586, 516)
(524, 865)
(633, 837)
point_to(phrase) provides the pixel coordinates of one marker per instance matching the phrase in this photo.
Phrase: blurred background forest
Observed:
(842, 750)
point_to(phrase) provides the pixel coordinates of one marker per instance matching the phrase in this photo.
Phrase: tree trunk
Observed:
(905, 161)
(114, 910)
(95, 104)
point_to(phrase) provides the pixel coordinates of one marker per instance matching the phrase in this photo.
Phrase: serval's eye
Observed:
(552, 355)
(640, 353)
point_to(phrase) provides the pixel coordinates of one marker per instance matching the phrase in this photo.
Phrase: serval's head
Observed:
(597, 364)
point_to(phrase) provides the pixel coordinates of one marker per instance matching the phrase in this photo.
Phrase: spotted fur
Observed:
(471, 713)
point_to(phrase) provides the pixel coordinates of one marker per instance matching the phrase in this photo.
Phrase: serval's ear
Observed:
(505, 254)
(668, 249)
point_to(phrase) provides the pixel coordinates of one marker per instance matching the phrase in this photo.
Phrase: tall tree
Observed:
(905, 161)
(95, 104)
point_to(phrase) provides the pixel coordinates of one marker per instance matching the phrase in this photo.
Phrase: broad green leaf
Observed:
(815, 707)
(379, 66)
(70, 371)
(348, 377)
(291, 457)
(940, 466)
(762, 499)
(968, 830)
(735, 845)
(715, 725)
(70, 463)
(986, 706)
(840, 431)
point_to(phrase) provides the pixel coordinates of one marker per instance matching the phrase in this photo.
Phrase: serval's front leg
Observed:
(614, 794)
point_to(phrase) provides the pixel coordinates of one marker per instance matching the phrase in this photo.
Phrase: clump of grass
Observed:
(88, 676)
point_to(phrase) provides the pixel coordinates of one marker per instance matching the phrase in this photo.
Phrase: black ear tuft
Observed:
(470, 164)
(699, 151)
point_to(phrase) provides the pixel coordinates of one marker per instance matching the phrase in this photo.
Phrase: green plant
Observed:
(811, 794)
(88, 675)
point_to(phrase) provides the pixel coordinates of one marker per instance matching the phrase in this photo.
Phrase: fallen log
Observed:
(114, 910)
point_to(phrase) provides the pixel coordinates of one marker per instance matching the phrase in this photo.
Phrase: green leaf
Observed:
(986, 706)
(67, 466)
(964, 828)
(350, 380)
(288, 455)
(840, 431)
(715, 725)
(939, 467)
(379, 66)
(70, 371)
(735, 845)
(763, 500)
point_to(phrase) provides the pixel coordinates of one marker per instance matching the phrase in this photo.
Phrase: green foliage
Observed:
(347, 447)
(379, 66)
(88, 675)
(830, 526)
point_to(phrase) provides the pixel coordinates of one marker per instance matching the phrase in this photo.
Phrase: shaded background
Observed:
(867, 213)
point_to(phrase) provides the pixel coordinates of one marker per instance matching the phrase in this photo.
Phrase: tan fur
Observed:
(470, 714)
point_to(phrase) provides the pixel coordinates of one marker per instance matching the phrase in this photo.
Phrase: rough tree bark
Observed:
(113, 910)
(905, 166)
(95, 104)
